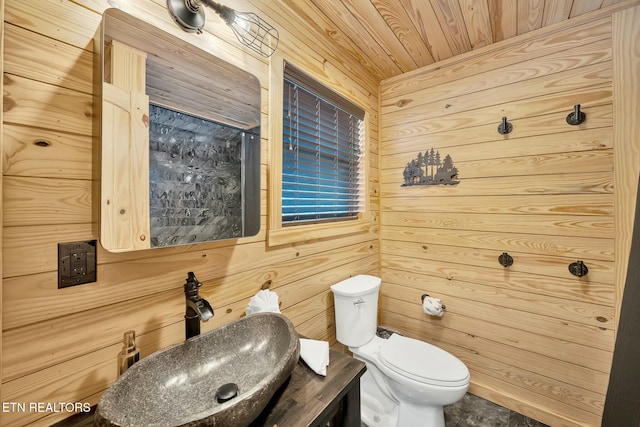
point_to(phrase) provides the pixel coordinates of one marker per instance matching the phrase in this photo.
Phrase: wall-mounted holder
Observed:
(444, 307)
(576, 117)
(578, 268)
(505, 260)
(505, 127)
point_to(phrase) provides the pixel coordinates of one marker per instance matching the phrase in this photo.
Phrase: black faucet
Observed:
(198, 309)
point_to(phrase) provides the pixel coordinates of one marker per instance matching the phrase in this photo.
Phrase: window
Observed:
(322, 153)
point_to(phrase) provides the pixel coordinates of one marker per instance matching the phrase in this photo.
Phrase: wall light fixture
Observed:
(251, 30)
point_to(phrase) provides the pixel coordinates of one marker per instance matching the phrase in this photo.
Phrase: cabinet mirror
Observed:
(180, 140)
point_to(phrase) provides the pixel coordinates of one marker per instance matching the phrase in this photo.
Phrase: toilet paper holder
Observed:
(444, 307)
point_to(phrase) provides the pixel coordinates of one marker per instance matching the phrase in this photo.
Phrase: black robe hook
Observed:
(578, 268)
(577, 117)
(505, 127)
(505, 260)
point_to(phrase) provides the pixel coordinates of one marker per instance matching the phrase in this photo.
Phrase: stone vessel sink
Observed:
(178, 386)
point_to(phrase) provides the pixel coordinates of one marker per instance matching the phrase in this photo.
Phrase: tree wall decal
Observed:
(429, 169)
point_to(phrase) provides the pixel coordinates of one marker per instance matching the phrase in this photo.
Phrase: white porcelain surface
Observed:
(419, 403)
(356, 308)
(423, 362)
(359, 285)
(407, 381)
(378, 408)
(401, 386)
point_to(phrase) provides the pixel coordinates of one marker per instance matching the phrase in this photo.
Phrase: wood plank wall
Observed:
(1, 168)
(62, 345)
(626, 89)
(535, 338)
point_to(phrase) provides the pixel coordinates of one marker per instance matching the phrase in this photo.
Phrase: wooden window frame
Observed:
(279, 234)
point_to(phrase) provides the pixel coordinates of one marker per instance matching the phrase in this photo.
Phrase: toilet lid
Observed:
(423, 362)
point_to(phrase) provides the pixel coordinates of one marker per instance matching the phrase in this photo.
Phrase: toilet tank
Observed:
(356, 306)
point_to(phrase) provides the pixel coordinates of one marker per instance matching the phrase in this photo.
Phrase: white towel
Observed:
(264, 301)
(315, 354)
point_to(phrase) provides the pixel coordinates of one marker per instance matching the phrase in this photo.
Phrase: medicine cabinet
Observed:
(180, 140)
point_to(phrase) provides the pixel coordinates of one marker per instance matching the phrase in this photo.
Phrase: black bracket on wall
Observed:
(505, 127)
(505, 260)
(578, 268)
(577, 117)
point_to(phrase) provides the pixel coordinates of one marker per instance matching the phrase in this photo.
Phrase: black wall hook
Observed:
(578, 268)
(505, 260)
(577, 117)
(505, 127)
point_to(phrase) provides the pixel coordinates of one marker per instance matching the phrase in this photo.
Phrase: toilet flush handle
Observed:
(358, 301)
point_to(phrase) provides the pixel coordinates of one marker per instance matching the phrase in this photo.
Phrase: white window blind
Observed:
(322, 178)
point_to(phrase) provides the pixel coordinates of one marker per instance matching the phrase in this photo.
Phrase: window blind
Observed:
(322, 177)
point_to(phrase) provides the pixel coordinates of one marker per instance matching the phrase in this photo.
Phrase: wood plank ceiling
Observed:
(396, 36)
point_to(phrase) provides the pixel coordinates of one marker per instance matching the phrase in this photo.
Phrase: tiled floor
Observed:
(473, 411)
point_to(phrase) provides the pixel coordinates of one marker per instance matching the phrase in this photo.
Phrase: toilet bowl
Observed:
(408, 381)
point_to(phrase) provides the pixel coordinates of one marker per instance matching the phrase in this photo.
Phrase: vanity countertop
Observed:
(308, 399)
(305, 399)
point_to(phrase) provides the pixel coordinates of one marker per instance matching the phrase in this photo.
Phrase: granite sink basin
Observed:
(182, 385)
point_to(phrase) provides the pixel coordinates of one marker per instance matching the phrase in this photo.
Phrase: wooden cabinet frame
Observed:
(139, 64)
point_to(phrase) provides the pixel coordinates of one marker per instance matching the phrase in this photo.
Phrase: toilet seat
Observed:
(423, 362)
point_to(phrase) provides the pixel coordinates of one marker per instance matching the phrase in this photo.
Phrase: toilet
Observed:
(407, 381)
